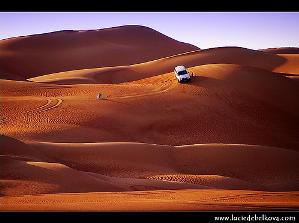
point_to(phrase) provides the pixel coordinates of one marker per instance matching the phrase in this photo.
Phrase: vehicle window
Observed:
(183, 72)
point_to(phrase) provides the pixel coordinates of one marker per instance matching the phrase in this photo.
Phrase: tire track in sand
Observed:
(43, 106)
(159, 91)
(51, 104)
(59, 101)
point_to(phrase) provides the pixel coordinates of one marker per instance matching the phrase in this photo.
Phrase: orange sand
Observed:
(228, 140)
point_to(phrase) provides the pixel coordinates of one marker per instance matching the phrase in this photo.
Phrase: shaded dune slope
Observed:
(137, 166)
(119, 74)
(282, 50)
(34, 55)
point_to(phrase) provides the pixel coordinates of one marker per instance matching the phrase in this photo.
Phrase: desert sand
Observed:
(71, 50)
(228, 140)
(282, 50)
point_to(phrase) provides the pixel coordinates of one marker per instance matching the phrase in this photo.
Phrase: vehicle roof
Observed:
(179, 68)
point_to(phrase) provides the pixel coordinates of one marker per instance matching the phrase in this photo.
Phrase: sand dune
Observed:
(282, 50)
(123, 166)
(291, 66)
(119, 74)
(101, 167)
(26, 177)
(20, 178)
(227, 140)
(10, 76)
(165, 200)
(214, 181)
(34, 55)
(225, 103)
(257, 83)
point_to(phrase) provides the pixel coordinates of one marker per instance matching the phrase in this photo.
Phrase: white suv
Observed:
(181, 74)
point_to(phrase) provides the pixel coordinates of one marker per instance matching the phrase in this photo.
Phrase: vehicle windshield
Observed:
(183, 72)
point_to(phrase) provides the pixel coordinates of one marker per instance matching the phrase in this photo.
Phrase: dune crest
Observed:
(34, 55)
(224, 103)
(50, 167)
(120, 74)
(282, 50)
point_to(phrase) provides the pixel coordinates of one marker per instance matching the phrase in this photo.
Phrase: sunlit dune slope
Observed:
(224, 103)
(119, 74)
(19, 177)
(32, 169)
(262, 85)
(291, 66)
(34, 55)
(156, 200)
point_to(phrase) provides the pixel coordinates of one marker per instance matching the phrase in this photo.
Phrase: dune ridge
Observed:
(216, 176)
(119, 74)
(282, 50)
(121, 166)
(225, 103)
(70, 50)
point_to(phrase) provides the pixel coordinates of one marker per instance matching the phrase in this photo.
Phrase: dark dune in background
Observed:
(34, 55)
(228, 140)
(282, 50)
